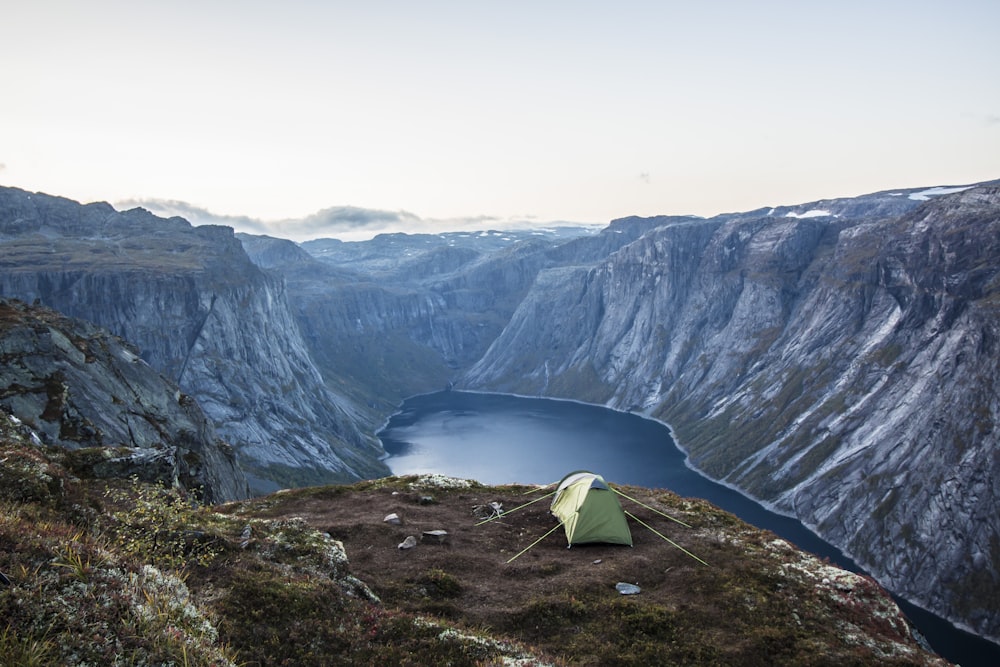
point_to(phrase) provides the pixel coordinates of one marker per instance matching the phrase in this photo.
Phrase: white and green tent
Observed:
(589, 510)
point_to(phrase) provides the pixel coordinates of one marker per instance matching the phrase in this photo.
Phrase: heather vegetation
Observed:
(126, 572)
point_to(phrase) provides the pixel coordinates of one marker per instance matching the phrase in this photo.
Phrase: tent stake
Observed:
(535, 542)
(493, 518)
(664, 537)
(652, 509)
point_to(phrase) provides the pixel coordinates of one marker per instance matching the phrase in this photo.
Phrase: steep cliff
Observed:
(842, 369)
(78, 386)
(201, 313)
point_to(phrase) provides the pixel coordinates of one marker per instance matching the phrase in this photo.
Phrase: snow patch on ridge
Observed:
(924, 195)
(814, 213)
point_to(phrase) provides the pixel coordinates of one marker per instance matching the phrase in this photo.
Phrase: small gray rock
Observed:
(434, 536)
(392, 519)
(408, 543)
(627, 589)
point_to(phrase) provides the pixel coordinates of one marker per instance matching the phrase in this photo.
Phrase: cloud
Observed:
(196, 215)
(348, 223)
(337, 221)
(352, 217)
(993, 119)
(644, 177)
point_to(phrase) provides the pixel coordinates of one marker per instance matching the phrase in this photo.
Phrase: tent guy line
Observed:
(651, 509)
(502, 514)
(588, 513)
(656, 532)
(528, 548)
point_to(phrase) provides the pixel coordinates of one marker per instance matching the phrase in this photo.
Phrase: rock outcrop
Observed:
(203, 315)
(77, 386)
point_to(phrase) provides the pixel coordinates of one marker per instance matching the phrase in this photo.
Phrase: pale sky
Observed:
(577, 111)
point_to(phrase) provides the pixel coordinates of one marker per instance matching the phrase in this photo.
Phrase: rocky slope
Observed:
(202, 314)
(106, 571)
(79, 387)
(842, 369)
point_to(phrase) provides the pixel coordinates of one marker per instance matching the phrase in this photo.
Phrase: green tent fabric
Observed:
(589, 510)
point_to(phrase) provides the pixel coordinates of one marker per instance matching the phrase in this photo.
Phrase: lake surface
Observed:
(500, 439)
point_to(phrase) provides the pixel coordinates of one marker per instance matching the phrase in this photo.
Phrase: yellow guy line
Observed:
(653, 509)
(664, 537)
(535, 542)
(492, 518)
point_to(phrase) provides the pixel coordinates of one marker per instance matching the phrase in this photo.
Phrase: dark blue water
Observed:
(498, 439)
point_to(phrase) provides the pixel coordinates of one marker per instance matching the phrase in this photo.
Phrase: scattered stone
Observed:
(392, 519)
(408, 543)
(434, 537)
(426, 500)
(597, 562)
(627, 589)
(245, 536)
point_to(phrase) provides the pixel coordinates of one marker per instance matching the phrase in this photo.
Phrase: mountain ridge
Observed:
(202, 314)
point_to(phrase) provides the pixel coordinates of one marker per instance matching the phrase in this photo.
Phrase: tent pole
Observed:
(493, 518)
(664, 537)
(653, 509)
(535, 542)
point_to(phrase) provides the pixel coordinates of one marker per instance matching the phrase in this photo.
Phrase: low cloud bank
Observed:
(347, 223)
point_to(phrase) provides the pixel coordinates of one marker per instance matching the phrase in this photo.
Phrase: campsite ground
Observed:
(758, 601)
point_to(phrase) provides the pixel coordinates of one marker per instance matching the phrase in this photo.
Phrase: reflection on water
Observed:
(499, 439)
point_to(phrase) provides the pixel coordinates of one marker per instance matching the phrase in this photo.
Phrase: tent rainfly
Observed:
(589, 510)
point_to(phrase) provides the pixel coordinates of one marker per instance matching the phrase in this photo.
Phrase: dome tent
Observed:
(589, 510)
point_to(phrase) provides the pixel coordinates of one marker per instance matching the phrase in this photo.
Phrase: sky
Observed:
(419, 115)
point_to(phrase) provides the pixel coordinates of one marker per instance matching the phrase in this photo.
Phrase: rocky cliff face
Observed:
(202, 314)
(840, 368)
(78, 386)
(401, 315)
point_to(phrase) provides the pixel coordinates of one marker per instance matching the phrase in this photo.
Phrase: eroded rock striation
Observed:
(839, 366)
(77, 386)
(203, 315)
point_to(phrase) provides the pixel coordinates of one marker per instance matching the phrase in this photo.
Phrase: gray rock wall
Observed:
(78, 386)
(202, 314)
(842, 370)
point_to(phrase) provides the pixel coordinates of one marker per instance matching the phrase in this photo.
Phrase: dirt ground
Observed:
(756, 601)
(475, 556)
